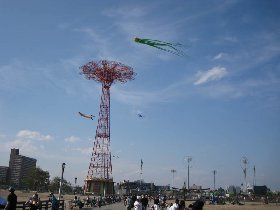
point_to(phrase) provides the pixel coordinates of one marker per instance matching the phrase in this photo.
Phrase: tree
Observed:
(54, 185)
(37, 179)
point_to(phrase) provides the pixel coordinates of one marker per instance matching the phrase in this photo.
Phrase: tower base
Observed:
(99, 186)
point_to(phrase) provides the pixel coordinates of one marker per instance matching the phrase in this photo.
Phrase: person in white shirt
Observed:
(175, 206)
(137, 203)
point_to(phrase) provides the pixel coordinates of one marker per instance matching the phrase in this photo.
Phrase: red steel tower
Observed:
(99, 179)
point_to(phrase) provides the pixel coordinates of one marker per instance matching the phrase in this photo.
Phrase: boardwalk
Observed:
(115, 206)
(251, 206)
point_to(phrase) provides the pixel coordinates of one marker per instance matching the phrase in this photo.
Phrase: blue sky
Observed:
(217, 104)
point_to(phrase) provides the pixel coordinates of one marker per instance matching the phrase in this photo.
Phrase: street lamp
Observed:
(60, 183)
(184, 191)
(188, 159)
(214, 172)
(75, 185)
(173, 171)
(244, 161)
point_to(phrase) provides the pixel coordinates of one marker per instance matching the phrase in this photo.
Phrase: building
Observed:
(19, 167)
(233, 189)
(260, 190)
(138, 186)
(99, 186)
(195, 187)
(3, 174)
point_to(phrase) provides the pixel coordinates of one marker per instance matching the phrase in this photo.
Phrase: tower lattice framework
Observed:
(99, 178)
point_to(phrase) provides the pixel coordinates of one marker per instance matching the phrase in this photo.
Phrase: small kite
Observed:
(140, 115)
(166, 46)
(87, 116)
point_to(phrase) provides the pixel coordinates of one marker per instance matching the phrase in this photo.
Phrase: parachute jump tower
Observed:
(99, 179)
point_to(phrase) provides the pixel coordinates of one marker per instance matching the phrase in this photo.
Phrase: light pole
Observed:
(188, 159)
(244, 161)
(214, 172)
(75, 185)
(184, 191)
(254, 182)
(60, 183)
(173, 171)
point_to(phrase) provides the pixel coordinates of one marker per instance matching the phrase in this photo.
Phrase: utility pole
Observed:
(75, 185)
(254, 182)
(244, 161)
(188, 159)
(173, 171)
(214, 172)
(60, 183)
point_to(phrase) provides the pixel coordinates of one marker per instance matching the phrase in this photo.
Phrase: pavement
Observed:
(114, 206)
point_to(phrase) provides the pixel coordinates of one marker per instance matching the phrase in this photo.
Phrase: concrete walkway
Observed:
(115, 206)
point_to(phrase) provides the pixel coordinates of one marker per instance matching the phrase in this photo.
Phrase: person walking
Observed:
(182, 205)
(137, 203)
(145, 202)
(54, 202)
(11, 200)
(129, 203)
(33, 203)
(198, 205)
(175, 205)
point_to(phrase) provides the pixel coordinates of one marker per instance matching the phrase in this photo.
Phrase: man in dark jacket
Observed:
(198, 205)
(11, 200)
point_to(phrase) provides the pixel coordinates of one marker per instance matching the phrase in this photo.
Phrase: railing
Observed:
(44, 205)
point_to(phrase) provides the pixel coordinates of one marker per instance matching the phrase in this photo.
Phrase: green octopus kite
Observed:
(166, 46)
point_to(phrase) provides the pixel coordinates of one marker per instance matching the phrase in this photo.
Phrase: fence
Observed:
(44, 205)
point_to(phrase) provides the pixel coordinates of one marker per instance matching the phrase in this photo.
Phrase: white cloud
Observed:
(26, 147)
(231, 39)
(72, 139)
(85, 151)
(133, 97)
(215, 73)
(34, 135)
(219, 56)
(164, 94)
(126, 12)
(14, 71)
(98, 42)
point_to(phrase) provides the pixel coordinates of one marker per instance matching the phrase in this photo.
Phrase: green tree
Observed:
(55, 183)
(37, 179)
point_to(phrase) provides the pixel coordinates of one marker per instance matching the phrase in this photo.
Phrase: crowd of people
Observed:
(95, 201)
(33, 203)
(145, 202)
(131, 202)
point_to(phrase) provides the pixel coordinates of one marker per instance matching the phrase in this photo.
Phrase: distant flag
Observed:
(141, 164)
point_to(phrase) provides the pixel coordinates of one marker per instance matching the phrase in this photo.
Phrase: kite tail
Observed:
(158, 42)
(176, 52)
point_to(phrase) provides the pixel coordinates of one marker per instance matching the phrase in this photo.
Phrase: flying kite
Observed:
(87, 116)
(166, 46)
(140, 115)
